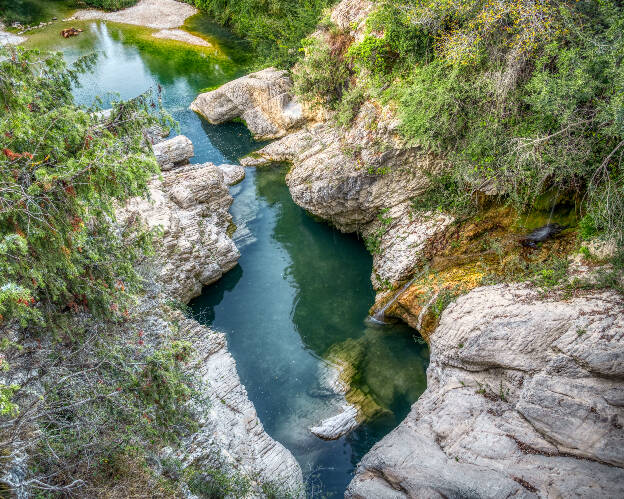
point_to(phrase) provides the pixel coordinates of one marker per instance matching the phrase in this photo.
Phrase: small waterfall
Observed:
(380, 315)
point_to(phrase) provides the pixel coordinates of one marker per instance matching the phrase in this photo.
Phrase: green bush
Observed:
(322, 75)
(275, 27)
(62, 169)
(524, 107)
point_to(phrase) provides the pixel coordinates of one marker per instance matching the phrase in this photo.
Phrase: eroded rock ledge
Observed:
(263, 100)
(525, 397)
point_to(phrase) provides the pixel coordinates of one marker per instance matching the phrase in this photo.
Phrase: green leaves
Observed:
(62, 171)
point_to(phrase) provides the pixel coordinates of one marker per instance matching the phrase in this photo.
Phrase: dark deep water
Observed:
(301, 288)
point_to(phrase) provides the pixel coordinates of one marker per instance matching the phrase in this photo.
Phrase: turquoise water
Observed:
(302, 290)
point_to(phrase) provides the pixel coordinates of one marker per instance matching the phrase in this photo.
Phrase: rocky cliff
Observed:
(524, 398)
(525, 388)
(191, 205)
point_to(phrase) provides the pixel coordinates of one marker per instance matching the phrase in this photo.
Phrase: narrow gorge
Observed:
(320, 313)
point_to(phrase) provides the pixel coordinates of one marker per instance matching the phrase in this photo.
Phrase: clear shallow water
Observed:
(301, 289)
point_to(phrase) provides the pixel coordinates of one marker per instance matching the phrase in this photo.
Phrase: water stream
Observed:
(301, 291)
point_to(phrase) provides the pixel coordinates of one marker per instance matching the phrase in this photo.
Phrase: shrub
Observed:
(275, 28)
(322, 75)
(62, 170)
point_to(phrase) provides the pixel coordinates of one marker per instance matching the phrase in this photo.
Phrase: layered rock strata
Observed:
(263, 100)
(524, 399)
(230, 432)
(191, 207)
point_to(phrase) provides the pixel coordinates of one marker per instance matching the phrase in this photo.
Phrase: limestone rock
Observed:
(358, 178)
(351, 13)
(263, 100)
(160, 14)
(7, 38)
(233, 174)
(173, 152)
(524, 398)
(338, 425)
(191, 206)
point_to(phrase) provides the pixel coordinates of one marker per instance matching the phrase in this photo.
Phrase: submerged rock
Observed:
(263, 100)
(229, 429)
(524, 398)
(338, 425)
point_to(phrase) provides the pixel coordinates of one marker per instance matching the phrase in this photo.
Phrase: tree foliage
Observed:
(62, 171)
(274, 27)
(524, 96)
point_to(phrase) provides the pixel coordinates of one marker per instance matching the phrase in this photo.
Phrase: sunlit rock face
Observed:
(191, 207)
(524, 398)
(263, 100)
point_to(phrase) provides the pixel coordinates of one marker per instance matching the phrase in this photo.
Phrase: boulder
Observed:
(233, 174)
(173, 152)
(263, 100)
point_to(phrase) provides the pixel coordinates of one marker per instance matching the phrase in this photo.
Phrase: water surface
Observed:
(301, 290)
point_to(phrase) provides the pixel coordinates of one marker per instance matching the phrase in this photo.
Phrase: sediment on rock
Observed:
(523, 398)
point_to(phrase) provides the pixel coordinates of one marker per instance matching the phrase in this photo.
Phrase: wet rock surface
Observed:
(229, 429)
(263, 100)
(524, 398)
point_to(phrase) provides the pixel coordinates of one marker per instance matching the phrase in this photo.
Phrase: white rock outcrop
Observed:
(191, 206)
(363, 180)
(232, 174)
(160, 14)
(7, 38)
(525, 398)
(336, 426)
(173, 152)
(263, 100)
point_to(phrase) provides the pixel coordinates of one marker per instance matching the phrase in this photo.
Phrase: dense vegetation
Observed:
(524, 97)
(275, 28)
(69, 278)
(62, 169)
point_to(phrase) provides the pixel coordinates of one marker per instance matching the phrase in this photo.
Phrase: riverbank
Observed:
(7, 38)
